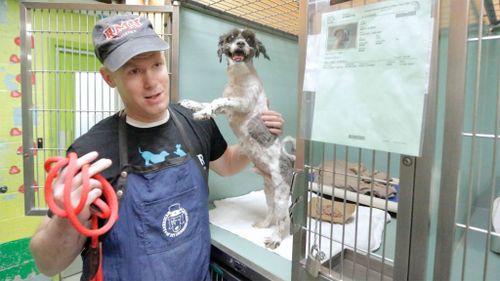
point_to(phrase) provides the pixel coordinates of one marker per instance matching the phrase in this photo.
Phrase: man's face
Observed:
(143, 84)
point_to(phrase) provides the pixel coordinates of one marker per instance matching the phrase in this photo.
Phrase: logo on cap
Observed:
(123, 28)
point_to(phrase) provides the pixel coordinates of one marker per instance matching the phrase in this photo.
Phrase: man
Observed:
(156, 157)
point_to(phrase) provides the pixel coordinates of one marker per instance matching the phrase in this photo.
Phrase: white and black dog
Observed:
(243, 101)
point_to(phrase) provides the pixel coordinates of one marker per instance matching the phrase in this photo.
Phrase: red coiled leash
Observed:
(106, 210)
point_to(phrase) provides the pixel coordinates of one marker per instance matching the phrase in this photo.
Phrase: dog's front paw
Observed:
(204, 114)
(272, 242)
(190, 104)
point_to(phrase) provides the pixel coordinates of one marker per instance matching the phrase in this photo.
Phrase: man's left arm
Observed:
(233, 160)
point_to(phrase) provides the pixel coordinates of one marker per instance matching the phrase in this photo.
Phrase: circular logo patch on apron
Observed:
(175, 220)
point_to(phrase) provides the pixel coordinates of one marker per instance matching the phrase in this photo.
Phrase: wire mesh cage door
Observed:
(468, 227)
(350, 234)
(63, 94)
(357, 204)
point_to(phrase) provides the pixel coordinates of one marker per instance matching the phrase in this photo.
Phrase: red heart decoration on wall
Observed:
(17, 41)
(14, 59)
(19, 150)
(21, 187)
(15, 94)
(33, 79)
(14, 132)
(14, 170)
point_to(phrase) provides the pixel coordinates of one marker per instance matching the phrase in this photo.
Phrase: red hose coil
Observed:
(107, 210)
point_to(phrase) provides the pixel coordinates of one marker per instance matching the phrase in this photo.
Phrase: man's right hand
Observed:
(56, 243)
(76, 184)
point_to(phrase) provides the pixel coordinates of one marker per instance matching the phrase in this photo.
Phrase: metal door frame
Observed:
(418, 220)
(452, 144)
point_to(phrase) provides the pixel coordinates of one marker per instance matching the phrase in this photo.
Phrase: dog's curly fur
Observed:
(243, 101)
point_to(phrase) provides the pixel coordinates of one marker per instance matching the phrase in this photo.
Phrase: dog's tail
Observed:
(288, 139)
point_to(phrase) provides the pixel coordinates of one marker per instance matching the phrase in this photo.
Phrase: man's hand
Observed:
(56, 243)
(76, 184)
(273, 121)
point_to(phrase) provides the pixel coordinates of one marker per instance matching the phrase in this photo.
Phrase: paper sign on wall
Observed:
(369, 69)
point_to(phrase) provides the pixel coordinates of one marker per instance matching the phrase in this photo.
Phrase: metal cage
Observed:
(334, 176)
(59, 69)
(467, 245)
(56, 55)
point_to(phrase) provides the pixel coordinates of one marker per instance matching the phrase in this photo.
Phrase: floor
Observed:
(476, 253)
(73, 272)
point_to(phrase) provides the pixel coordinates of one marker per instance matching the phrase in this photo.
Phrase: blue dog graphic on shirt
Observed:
(151, 158)
(179, 151)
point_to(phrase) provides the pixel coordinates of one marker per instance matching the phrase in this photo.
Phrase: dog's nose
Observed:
(240, 44)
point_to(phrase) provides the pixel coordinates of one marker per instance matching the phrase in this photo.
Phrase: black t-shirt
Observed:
(148, 146)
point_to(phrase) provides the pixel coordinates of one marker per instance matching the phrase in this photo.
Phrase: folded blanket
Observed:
(237, 214)
(356, 177)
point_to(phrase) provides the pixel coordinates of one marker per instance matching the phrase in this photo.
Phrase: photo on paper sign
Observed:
(342, 37)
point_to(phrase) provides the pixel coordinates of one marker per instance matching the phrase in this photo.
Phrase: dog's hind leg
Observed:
(282, 182)
(269, 192)
(282, 221)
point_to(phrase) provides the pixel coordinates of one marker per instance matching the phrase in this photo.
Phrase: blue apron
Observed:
(163, 228)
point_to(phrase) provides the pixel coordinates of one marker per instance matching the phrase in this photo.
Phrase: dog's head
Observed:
(342, 35)
(240, 45)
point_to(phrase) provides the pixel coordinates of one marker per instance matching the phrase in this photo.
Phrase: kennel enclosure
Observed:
(448, 189)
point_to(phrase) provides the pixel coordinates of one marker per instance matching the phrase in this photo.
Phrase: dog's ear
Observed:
(220, 50)
(346, 34)
(259, 48)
